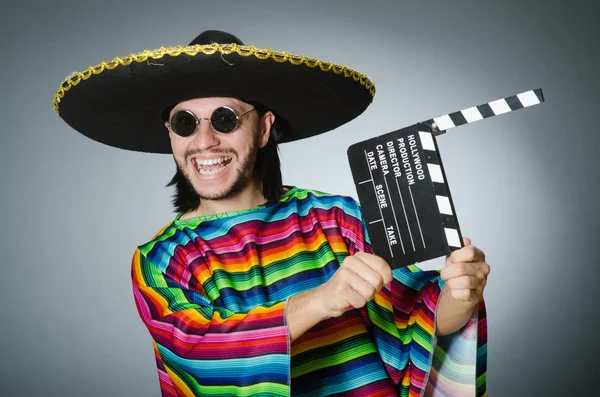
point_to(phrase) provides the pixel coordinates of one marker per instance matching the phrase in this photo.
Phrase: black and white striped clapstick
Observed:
(440, 124)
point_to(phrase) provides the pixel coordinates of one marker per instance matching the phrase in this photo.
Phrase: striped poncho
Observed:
(212, 292)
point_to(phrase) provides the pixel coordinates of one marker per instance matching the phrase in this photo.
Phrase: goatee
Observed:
(242, 179)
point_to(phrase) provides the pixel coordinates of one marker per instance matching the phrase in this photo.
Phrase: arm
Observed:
(452, 314)
(303, 312)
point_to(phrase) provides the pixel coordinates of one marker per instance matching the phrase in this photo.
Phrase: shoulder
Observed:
(166, 235)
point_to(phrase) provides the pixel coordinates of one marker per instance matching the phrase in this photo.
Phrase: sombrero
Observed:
(120, 102)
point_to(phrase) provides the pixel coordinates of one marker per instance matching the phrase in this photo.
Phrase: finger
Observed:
(468, 296)
(460, 294)
(378, 264)
(356, 300)
(351, 281)
(483, 269)
(452, 270)
(466, 282)
(466, 243)
(364, 271)
(461, 282)
(468, 253)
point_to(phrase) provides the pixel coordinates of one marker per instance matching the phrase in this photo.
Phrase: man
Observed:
(262, 289)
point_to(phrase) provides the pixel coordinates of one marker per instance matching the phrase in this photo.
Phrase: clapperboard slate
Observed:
(402, 186)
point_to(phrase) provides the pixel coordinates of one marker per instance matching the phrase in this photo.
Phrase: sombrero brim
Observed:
(119, 102)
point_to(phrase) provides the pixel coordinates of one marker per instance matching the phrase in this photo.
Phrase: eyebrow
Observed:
(236, 108)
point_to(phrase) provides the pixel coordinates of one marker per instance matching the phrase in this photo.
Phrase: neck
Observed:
(250, 197)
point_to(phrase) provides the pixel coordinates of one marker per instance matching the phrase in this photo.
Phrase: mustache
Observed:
(190, 153)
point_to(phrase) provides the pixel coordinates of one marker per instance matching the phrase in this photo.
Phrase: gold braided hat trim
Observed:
(209, 49)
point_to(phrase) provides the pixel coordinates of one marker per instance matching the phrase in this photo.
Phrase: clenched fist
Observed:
(356, 282)
(466, 274)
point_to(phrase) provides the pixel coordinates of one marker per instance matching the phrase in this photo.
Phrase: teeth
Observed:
(200, 163)
(211, 172)
(212, 161)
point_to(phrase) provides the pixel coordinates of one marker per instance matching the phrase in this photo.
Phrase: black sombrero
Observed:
(120, 102)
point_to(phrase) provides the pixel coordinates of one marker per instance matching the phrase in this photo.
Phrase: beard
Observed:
(244, 173)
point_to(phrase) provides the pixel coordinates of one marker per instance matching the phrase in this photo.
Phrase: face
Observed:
(217, 165)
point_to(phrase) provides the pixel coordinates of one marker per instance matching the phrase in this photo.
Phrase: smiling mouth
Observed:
(212, 166)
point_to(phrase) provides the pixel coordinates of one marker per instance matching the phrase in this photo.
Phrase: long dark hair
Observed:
(267, 167)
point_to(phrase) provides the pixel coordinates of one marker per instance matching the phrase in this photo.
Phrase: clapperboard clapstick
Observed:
(402, 186)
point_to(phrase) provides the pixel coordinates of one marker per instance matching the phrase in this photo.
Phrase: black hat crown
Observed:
(215, 36)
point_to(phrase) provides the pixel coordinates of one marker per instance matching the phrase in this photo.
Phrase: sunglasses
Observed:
(223, 120)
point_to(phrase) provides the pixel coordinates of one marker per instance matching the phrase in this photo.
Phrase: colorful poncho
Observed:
(212, 292)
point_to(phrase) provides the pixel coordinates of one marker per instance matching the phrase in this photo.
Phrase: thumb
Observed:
(466, 241)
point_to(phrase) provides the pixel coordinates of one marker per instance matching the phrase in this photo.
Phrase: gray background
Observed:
(525, 185)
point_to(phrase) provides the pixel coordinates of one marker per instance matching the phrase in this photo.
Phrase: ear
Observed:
(265, 128)
(168, 129)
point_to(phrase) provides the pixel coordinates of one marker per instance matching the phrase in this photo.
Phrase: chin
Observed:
(224, 191)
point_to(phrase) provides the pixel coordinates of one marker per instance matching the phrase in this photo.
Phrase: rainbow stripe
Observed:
(212, 293)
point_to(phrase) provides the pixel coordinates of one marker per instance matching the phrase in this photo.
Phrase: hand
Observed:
(466, 274)
(356, 282)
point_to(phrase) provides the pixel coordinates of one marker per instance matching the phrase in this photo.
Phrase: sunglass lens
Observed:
(224, 120)
(183, 123)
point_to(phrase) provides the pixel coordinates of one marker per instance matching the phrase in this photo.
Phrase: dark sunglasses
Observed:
(223, 120)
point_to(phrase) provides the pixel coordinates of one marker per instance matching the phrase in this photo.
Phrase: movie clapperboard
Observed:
(402, 186)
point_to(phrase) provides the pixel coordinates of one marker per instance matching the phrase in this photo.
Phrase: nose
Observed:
(205, 137)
